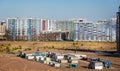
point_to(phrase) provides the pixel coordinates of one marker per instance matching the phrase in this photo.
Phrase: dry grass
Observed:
(102, 46)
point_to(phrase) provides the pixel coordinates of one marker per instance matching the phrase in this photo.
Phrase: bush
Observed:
(19, 51)
(15, 48)
(53, 47)
(11, 53)
(45, 47)
(2, 44)
(27, 49)
(7, 49)
(9, 44)
(81, 44)
(20, 47)
(34, 43)
(113, 48)
(1, 50)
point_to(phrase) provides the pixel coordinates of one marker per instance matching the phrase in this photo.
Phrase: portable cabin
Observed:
(96, 65)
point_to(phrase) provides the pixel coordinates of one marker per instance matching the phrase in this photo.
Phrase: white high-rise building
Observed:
(43, 29)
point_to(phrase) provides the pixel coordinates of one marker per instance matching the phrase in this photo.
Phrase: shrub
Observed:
(20, 47)
(1, 50)
(11, 53)
(45, 47)
(113, 48)
(53, 47)
(2, 44)
(34, 43)
(7, 49)
(37, 49)
(27, 49)
(15, 48)
(9, 44)
(81, 44)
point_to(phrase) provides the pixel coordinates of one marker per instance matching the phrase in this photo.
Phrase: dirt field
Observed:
(10, 62)
(102, 46)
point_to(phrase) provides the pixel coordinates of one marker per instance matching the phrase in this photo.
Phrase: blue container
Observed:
(37, 53)
(73, 65)
(107, 64)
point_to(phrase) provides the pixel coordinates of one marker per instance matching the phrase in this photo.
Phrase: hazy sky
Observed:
(59, 9)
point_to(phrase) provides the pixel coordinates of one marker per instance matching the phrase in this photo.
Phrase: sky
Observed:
(92, 10)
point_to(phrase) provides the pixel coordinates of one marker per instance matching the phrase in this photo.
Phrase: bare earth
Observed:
(10, 62)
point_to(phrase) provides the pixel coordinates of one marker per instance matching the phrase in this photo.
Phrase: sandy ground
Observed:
(9, 62)
(13, 63)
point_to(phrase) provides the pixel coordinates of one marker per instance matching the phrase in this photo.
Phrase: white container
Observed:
(42, 58)
(96, 65)
(37, 58)
(73, 57)
(57, 64)
(51, 63)
(30, 57)
(83, 56)
(26, 55)
(63, 61)
(80, 56)
(48, 60)
(74, 61)
(60, 57)
(44, 62)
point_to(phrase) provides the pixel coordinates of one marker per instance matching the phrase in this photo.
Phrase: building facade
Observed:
(36, 29)
(2, 30)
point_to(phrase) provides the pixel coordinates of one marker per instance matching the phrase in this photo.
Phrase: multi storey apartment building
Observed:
(2, 30)
(37, 29)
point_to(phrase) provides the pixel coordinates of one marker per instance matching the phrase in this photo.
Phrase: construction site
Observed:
(54, 53)
(77, 45)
